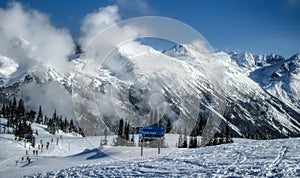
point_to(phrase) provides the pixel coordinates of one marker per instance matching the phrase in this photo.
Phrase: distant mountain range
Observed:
(260, 93)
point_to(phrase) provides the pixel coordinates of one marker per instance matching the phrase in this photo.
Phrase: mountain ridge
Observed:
(252, 106)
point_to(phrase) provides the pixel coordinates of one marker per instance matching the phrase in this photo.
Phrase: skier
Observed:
(33, 151)
(22, 158)
(36, 152)
(17, 162)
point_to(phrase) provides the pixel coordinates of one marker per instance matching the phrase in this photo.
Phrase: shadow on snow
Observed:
(96, 154)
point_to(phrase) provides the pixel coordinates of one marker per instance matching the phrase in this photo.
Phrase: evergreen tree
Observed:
(13, 110)
(31, 116)
(50, 127)
(159, 122)
(6, 114)
(3, 110)
(184, 143)
(168, 126)
(193, 142)
(72, 127)
(66, 125)
(215, 140)
(61, 124)
(121, 126)
(46, 120)
(39, 118)
(81, 132)
(221, 139)
(201, 122)
(210, 143)
(55, 123)
(127, 131)
(21, 110)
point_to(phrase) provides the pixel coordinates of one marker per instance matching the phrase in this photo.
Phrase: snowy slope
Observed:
(251, 106)
(245, 158)
(82, 157)
(274, 73)
(281, 80)
(12, 150)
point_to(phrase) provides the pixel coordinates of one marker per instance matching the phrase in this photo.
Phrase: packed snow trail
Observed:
(246, 158)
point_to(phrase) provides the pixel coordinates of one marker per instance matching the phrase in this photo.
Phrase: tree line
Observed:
(220, 137)
(19, 120)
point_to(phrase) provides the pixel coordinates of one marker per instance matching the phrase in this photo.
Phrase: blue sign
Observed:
(152, 132)
(27, 135)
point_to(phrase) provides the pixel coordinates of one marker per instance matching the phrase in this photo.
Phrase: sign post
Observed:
(151, 133)
(159, 146)
(142, 147)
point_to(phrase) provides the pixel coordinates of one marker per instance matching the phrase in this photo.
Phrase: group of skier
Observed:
(35, 151)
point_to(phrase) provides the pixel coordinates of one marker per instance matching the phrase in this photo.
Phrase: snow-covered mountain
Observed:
(252, 62)
(281, 79)
(187, 82)
(277, 75)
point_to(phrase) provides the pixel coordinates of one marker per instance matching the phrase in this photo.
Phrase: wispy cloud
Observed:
(28, 37)
(97, 22)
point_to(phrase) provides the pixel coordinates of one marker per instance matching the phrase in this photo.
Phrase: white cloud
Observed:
(51, 96)
(97, 22)
(28, 37)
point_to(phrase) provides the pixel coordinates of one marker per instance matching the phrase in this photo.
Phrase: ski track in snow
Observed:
(245, 158)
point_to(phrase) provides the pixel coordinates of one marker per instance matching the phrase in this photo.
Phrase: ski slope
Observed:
(75, 156)
(245, 158)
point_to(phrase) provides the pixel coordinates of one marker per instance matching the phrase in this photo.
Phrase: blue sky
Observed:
(257, 26)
